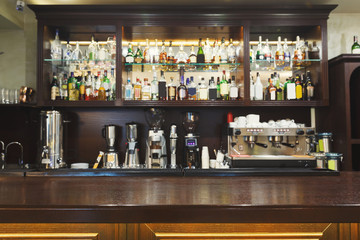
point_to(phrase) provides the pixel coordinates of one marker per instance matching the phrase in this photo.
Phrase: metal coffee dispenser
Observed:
(132, 149)
(51, 140)
(111, 158)
(271, 144)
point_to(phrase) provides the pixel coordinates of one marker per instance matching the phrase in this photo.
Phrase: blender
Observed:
(191, 149)
(156, 143)
(111, 159)
(132, 150)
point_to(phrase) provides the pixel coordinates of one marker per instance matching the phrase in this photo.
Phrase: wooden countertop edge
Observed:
(181, 214)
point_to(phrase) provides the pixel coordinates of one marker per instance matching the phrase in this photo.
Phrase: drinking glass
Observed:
(16, 96)
(6, 96)
(11, 96)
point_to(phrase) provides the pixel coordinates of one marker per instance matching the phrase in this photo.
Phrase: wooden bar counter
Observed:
(181, 199)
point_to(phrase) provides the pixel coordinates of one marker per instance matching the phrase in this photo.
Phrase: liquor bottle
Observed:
(192, 89)
(200, 57)
(181, 57)
(67, 53)
(287, 55)
(155, 53)
(298, 87)
(298, 55)
(309, 87)
(171, 90)
(251, 54)
(146, 90)
(106, 85)
(56, 50)
(130, 55)
(267, 51)
(71, 87)
(279, 55)
(260, 51)
(77, 53)
(128, 92)
(303, 85)
(218, 96)
(63, 87)
(355, 48)
(137, 90)
(192, 56)
(223, 52)
(252, 88)
(163, 55)
(102, 54)
(112, 85)
(147, 58)
(82, 88)
(231, 51)
(212, 90)
(88, 87)
(207, 51)
(272, 89)
(154, 86)
(224, 88)
(170, 55)
(234, 90)
(92, 49)
(258, 88)
(279, 88)
(315, 52)
(290, 89)
(216, 52)
(139, 55)
(97, 84)
(101, 93)
(182, 90)
(162, 86)
(203, 90)
(54, 88)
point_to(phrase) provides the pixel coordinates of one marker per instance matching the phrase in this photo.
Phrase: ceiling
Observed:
(345, 6)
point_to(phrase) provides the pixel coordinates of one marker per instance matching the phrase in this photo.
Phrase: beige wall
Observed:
(341, 29)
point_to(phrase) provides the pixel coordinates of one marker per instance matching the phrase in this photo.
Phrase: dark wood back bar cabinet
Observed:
(135, 24)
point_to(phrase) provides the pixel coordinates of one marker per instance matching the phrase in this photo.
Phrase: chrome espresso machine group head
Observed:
(156, 143)
(132, 150)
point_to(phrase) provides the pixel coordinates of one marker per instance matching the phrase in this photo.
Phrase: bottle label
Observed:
(203, 94)
(192, 91)
(224, 89)
(272, 94)
(172, 93)
(137, 93)
(234, 92)
(54, 92)
(193, 59)
(129, 59)
(128, 94)
(290, 91)
(310, 91)
(356, 51)
(298, 92)
(182, 94)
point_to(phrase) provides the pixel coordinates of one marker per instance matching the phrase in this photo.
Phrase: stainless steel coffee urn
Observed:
(51, 140)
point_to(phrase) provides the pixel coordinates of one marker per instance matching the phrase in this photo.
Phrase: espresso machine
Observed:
(273, 144)
(132, 150)
(191, 149)
(111, 159)
(51, 140)
(156, 142)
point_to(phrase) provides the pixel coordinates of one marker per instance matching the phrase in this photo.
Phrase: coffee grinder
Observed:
(191, 149)
(111, 159)
(132, 150)
(156, 143)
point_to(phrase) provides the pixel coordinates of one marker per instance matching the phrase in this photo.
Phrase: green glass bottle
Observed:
(200, 58)
(355, 48)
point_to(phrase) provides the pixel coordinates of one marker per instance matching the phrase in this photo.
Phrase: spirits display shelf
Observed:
(182, 103)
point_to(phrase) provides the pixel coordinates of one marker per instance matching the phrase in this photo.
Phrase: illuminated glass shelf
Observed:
(82, 60)
(182, 64)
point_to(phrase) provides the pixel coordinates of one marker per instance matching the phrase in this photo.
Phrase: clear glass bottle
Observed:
(203, 90)
(77, 53)
(260, 51)
(231, 50)
(146, 90)
(67, 54)
(223, 52)
(163, 55)
(287, 55)
(130, 55)
(192, 56)
(258, 88)
(92, 49)
(154, 86)
(279, 54)
(216, 52)
(272, 89)
(88, 87)
(56, 49)
(207, 51)
(182, 90)
(137, 89)
(155, 53)
(181, 57)
(170, 54)
(267, 51)
(234, 90)
(172, 90)
(128, 92)
(147, 58)
(63, 87)
(224, 87)
(298, 55)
